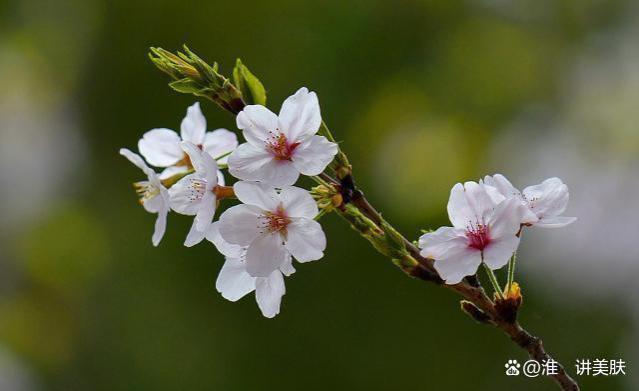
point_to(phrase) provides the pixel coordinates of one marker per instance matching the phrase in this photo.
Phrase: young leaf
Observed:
(252, 89)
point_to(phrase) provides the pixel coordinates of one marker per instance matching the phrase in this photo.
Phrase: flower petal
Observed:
(137, 161)
(269, 292)
(469, 204)
(194, 236)
(300, 115)
(298, 202)
(227, 249)
(193, 125)
(305, 240)
(265, 254)
(204, 164)
(287, 267)
(181, 196)
(502, 184)
(446, 242)
(220, 142)
(312, 156)
(257, 123)
(172, 171)
(161, 147)
(160, 226)
(547, 199)
(246, 161)
(506, 218)
(555, 222)
(454, 269)
(234, 282)
(204, 216)
(499, 251)
(258, 194)
(240, 224)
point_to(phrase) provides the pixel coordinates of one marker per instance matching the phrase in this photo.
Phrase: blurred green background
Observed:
(423, 94)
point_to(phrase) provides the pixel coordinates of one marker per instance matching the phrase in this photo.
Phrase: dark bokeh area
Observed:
(423, 94)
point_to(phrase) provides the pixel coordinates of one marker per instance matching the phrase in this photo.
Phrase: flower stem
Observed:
(493, 281)
(511, 271)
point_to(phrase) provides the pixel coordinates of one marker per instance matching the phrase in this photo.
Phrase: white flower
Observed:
(545, 201)
(279, 148)
(153, 195)
(485, 227)
(161, 147)
(272, 226)
(194, 195)
(234, 282)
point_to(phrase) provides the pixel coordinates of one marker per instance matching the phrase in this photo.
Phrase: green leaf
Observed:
(186, 85)
(252, 89)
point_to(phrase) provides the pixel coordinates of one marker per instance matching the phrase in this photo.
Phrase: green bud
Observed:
(250, 86)
(192, 75)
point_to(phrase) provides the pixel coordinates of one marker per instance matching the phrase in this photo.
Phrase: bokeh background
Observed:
(422, 93)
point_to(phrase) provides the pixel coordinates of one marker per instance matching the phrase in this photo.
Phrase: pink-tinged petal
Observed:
(298, 202)
(265, 254)
(506, 219)
(194, 236)
(258, 194)
(479, 200)
(182, 198)
(555, 222)
(459, 212)
(547, 199)
(446, 242)
(257, 123)
(193, 125)
(220, 142)
(234, 282)
(499, 251)
(161, 147)
(225, 248)
(313, 155)
(160, 226)
(246, 162)
(137, 161)
(454, 269)
(269, 292)
(172, 171)
(502, 184)
(240, 224)
(305, 240)
(204, 216)
(300, 115)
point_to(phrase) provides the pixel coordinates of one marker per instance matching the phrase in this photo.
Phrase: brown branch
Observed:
(422, 268)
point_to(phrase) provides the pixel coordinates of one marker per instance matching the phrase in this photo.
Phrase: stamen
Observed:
(146, 190)
(478, 236)
(197, 188)
(279, 146)
(276, 221)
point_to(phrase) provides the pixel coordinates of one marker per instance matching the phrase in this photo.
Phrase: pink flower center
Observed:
(275, 221)
(279, 146)
(478, 236)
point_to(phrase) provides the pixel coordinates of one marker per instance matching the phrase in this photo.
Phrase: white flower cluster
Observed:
(487, 218)
(274, 222)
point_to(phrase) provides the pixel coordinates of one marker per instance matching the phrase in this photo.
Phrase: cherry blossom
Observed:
(273, 225)
(161, 147)
(194, 194)
(280, 148)
(234, 282)
(485, 227)
(154, 197)
(545, 202)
